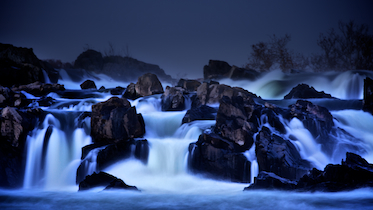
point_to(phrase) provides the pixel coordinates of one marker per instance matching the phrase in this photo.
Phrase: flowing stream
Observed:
(54, 154)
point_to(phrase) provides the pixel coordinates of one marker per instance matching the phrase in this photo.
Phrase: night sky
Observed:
(179, 36)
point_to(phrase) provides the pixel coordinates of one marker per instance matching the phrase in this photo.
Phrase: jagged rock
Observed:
(212, 93)
(274, 154)
(88, 84)
(368, 95)
(115, 120)
(20, 66)
(89, 60)
(39, 89)
(217, 157)
(103, 179)
(173, 99)
(117, 91)
(304, 91)
(199, 113)
(268, 180)
(188, 85)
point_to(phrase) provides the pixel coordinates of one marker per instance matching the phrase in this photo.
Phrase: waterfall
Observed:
(53, 152)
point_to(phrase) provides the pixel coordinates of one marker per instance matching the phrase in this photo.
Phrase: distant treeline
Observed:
(350, 47)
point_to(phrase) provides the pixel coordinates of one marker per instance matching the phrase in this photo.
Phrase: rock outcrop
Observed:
(304, 91)
(115, 120)
(89, 60)
(20, 66)
(39, 89)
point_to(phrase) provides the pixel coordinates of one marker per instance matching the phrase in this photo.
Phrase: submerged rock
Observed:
(305, 91)
(103, 179)
(268, 180)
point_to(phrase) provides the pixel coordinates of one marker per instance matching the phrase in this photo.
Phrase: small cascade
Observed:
(46, 77)
(308, 148)
(53, 152)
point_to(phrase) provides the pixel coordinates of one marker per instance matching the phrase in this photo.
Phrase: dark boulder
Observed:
(115, 120)
(217, 157)
(188, 85)
(270, 181)
(103, 179)
(88, 84)
(148, 84)
(304, 91)
(89, 60)
(117, 91)
(368, 95)
(173, 99)
(216, 70)
(274, 154)
(200, 113)
(20, 66)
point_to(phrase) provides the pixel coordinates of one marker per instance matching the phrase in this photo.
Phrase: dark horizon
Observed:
(180, 37)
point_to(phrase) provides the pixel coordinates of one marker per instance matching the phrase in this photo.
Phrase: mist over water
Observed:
(54, 152)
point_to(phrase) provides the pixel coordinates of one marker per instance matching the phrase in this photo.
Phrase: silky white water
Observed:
(165, 182)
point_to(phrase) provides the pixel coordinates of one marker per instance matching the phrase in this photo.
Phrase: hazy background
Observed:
(179, 36)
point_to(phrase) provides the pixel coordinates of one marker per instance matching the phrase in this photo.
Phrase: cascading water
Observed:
(276, 84)
(54, 147)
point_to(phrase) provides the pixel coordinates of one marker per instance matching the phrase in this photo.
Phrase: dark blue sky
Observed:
(179, 36)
